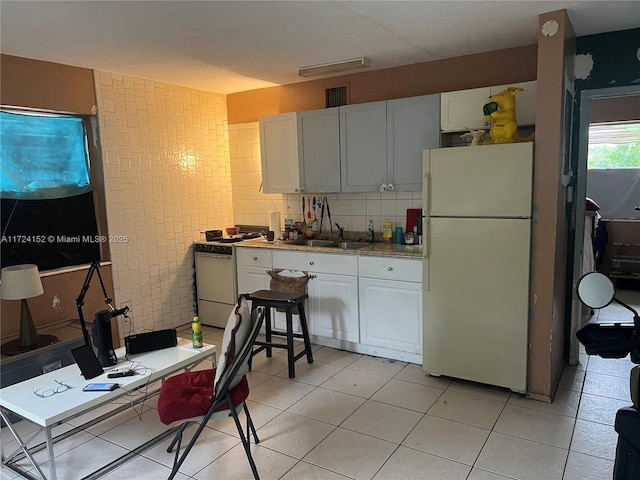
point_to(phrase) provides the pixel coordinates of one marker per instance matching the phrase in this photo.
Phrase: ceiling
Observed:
(232, 46)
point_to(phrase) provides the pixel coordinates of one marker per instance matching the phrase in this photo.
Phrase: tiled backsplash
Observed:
(167, 177)
(351, 210)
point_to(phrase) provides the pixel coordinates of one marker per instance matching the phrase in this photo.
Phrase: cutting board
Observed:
(412, 216)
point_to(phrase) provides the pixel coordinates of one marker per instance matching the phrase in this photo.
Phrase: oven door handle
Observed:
(221, 256)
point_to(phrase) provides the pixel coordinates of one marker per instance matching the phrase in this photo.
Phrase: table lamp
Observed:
(20, 282)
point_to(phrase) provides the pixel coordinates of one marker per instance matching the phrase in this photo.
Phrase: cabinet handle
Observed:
(390, 269)
(390, 187)
(383, 188)
(255, 258)
(311, 263)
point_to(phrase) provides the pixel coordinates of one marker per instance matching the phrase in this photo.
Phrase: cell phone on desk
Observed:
(100, 387)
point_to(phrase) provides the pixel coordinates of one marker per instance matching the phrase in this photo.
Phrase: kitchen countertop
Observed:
(374, 249)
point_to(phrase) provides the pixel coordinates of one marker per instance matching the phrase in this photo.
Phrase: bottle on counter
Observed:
(371, 232)
(196, 335)
(387, 232)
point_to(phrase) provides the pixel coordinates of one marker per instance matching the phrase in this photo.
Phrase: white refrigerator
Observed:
(476, 249)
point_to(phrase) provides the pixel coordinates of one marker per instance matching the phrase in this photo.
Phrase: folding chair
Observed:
(199, 396)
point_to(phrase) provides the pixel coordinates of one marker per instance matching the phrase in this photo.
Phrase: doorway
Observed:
(576, 238)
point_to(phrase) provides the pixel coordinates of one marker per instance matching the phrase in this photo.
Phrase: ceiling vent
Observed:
(336, 96)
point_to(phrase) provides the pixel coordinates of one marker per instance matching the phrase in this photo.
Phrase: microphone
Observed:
(119, 311)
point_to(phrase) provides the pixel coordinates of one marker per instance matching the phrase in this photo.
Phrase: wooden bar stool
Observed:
(287, 302)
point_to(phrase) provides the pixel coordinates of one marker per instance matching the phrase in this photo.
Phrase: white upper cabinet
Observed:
(412, 126)
(319, 150)
(381, 143)
(363, 146)
(279, 154)
(300, 152)
(462, 109)
(375, 146)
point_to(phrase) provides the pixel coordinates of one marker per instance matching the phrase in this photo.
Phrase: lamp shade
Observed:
(20, 282)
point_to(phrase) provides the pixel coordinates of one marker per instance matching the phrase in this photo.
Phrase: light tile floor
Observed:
(354, 416)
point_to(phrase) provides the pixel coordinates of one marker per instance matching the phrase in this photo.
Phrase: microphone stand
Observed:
(80, 300)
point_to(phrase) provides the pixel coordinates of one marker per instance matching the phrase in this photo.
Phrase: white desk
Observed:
(20, 400)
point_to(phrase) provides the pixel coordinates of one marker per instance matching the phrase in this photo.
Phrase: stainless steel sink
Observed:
(321, 243)
(344, 245)
(351, 245)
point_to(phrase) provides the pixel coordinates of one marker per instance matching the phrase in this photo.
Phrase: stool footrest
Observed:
(279, 333)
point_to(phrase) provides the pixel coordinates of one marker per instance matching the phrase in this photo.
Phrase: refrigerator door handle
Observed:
(426, 182)
(426, 237)
(426, 191)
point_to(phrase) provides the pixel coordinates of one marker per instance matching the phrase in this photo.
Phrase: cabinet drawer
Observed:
(254, 257)
(316, 262)
(386, 268)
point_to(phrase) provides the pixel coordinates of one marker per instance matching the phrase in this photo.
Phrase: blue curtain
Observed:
(42, 157)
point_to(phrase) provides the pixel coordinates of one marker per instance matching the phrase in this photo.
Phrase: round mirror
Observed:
(595, 290)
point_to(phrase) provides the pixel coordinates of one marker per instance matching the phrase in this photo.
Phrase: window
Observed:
(48, 214)
(614, 145)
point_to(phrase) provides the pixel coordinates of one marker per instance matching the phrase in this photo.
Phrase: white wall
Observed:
(167, 177)
(351, 210)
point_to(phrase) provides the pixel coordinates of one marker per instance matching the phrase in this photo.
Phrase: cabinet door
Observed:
(462, 110)
(525, 101)
(319, 150)
(251, 279)
(413, 125)
(363, 146)
(279, 154)
(391, 314)
(251, 269)
(333, 307)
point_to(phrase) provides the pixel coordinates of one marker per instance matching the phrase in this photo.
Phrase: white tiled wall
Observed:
(351, 210)
(167, 177)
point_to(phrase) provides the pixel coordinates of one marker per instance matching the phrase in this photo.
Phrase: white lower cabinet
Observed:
(370, 305)
(251, 266)
(332, 307)
(390, 297)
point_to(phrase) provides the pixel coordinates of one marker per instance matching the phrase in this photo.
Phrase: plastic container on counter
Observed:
(387, 232)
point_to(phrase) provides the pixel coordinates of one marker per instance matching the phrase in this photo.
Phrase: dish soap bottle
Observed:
(196, 335)
(371, 233)
(387, 232)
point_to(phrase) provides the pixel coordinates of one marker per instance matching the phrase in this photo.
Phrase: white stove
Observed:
(216, 287)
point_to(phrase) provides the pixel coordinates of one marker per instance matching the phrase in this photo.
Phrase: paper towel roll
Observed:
(274, 221)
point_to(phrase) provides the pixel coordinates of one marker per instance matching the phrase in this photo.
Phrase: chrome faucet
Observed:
(340, 232)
